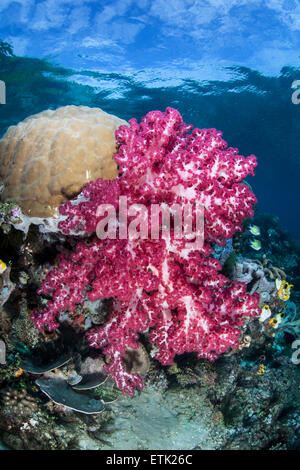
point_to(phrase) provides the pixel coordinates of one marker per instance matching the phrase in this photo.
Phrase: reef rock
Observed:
(254, 276)
(47, 158)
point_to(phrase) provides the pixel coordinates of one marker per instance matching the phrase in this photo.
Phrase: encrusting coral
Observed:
(164, 287)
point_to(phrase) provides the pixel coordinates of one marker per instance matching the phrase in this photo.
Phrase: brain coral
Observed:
(47, 158)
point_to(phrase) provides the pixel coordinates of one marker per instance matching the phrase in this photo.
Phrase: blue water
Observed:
(254, 111)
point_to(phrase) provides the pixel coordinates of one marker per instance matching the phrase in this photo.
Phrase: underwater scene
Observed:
(149, 226)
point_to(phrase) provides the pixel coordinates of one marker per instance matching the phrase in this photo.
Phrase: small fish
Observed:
(3, 267)
(19, 372)
(255, 244)
(284, 289)
(275, 321)
(255, 230)
(261, 369)
(265, 313)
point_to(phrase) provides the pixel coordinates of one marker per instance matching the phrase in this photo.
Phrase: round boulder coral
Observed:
(47, 158)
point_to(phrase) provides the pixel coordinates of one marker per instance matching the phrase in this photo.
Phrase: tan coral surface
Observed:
(47, 158)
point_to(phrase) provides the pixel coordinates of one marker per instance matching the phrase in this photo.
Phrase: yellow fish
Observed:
(261, 370)
(284, 289)
(3, 267)
(255, 230)
(255, 244)
(275, 321)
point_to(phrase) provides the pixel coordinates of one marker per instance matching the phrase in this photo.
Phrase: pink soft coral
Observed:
(162, 287)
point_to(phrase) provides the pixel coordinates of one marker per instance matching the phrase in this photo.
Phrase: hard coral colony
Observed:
(161, 287)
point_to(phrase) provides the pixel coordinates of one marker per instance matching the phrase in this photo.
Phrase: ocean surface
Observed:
(255, 112)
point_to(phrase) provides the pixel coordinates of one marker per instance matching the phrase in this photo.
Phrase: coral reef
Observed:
(247, 398)
(192, 404)
(254, 276)
(26, 426)
(262, 420)
(23, 327)
(9, 215)
(169, 286)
